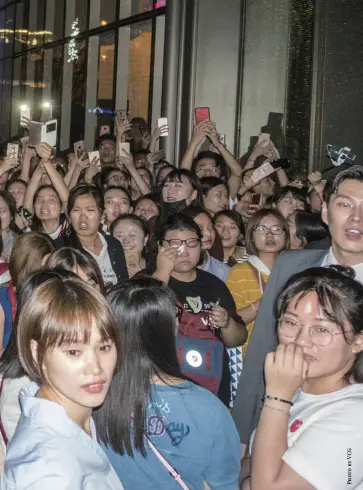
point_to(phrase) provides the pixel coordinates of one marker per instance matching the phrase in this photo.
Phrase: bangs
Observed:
(71, 314)
(175, 178)
(330, 302)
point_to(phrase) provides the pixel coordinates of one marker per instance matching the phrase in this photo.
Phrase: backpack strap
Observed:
(172, 471)
(2, 430)
(259, 279)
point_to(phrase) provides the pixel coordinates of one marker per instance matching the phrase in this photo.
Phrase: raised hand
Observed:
(315, 178)
(44, 151)
(285, 370)
(122, 127)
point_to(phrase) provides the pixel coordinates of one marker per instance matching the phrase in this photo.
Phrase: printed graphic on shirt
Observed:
(158, 426)
(195, 304)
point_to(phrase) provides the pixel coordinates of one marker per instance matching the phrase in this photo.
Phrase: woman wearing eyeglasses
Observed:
(267, 235)
(310, 433)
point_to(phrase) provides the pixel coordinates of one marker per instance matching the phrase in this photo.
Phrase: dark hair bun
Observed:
(345, 270)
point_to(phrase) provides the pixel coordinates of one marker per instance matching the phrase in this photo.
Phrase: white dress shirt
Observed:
(49, 451)
(331, 260)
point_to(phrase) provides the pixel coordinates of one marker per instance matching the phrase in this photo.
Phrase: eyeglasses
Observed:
(190, 243)
(275, 229)
(319, 335)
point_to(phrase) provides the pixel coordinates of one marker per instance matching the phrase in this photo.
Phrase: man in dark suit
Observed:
(343, 213)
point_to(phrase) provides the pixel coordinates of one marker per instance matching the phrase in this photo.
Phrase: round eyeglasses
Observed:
(190, 243)
(319, 335)
(275, 230)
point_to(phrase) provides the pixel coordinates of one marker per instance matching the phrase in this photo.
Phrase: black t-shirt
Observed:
(196, 297)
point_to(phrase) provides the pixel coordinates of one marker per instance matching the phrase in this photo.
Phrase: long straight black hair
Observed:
(145, 314)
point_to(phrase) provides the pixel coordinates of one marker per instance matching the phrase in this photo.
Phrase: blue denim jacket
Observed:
(51, 452)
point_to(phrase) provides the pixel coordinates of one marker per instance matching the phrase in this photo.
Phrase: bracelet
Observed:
(275, 409)
(267, 397)
(253, 305)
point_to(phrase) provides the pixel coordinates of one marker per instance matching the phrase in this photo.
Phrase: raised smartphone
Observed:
(202, 114)
(163, 121)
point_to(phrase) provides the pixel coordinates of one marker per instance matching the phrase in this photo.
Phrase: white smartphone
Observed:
(92, 155)
(163, 121)
(79, 148)
(263, 137)
(222, 138)
(25, 116)
(124, 147)
(12, 150)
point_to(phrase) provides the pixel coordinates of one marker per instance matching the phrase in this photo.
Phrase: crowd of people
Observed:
(193, 324)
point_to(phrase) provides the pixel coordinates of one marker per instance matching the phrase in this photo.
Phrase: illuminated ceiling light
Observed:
(46, 105)
(23, 107)
(103, 23)
(104, 57)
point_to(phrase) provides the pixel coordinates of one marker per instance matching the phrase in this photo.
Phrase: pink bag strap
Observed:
(2, 430)
(171, 470)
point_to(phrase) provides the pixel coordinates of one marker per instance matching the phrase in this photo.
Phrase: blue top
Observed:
(195, 433)
(5, 303)
(49, 451)
(217, 268)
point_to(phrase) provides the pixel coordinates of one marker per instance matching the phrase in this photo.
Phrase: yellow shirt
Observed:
(245, 289)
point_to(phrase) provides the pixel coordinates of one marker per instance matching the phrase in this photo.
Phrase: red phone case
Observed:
(202, 114)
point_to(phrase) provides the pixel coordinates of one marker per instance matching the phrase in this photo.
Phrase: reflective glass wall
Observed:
(78, 55)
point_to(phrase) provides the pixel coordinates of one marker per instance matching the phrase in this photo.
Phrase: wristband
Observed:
(275, 409)
(267, 397)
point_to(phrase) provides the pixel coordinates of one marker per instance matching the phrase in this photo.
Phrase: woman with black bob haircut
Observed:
(289, 199)
(180, 189)
(85, 208)
(151, 402)
(311, 422)
(306, 228)
(215, 194)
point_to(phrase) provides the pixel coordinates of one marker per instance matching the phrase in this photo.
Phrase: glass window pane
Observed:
(54, 20)
(81, 14)
(76, 13)
(134, 7)
(16, 97)
(106, 79)
(9, 31)
(79, 93)
(6, 100)
(102, 12)
(139, 69)
(133, 69)
(3, 34)
(21, 26)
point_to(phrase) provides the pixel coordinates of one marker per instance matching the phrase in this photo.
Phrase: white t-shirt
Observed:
(325, 438)
(104, 262)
